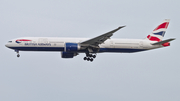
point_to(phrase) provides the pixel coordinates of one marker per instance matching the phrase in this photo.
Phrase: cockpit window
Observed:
(9, 41)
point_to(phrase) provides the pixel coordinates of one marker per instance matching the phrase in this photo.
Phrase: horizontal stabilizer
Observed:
(162, 42)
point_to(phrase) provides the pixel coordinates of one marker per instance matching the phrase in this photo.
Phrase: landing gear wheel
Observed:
(91, 60)
(18, 55)
(90, 56)
(88, 59)
(85, 58)
(17, 51)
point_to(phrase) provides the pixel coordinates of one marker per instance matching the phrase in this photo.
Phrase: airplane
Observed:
(70, 47)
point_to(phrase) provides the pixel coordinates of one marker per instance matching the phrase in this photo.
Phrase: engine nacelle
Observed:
(68, 54)
(71, 47)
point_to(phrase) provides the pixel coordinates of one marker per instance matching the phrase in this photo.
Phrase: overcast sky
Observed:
(44, 76)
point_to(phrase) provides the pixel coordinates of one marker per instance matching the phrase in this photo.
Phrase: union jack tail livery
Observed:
(159, 32)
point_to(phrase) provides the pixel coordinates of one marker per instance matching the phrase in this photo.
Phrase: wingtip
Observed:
(173, 38)
(122, 26)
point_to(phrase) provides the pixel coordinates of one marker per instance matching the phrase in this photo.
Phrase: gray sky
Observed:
(44, 76)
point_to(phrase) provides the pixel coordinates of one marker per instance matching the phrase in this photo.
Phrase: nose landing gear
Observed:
(18, 55)
(89, 57)
(17, 51)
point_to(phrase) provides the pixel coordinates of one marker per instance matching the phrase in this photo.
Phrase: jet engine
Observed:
(71, 47)
(68, 54)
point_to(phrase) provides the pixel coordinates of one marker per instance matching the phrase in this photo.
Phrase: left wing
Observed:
(94, 42)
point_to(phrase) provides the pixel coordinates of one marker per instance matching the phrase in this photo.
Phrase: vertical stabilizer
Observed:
(159, 32)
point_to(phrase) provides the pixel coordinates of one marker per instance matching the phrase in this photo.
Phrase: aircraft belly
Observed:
(123, 50)
(38, 48)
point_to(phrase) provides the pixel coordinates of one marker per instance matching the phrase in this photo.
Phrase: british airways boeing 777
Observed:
(70, 47)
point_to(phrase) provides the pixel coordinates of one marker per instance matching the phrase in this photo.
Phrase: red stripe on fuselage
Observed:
(23, 40)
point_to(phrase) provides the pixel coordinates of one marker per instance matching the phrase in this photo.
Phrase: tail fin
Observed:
(159, 32)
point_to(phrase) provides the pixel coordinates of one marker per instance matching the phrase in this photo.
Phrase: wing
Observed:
(94, 42)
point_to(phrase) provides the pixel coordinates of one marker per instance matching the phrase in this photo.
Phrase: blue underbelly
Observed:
(123, 50)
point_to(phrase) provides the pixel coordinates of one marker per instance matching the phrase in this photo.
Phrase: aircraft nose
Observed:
(6, 45)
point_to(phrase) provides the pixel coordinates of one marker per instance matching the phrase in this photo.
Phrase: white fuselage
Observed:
(70, 47)
(58, 44)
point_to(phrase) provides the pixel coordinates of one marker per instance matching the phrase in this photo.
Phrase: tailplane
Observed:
(159, 32)
(164, 42)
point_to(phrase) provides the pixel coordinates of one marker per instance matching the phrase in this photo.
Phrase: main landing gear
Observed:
(17, 51)
(89, 57)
